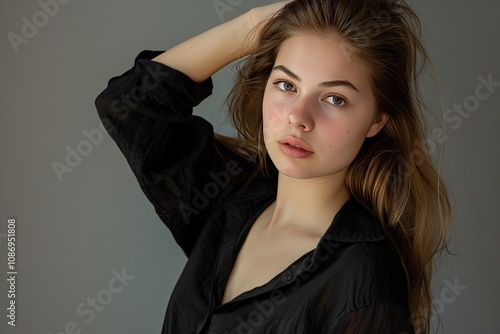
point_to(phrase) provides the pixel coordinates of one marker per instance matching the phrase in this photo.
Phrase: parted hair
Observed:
(393, 174)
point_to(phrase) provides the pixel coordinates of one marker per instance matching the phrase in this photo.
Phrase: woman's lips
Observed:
(294, 147)
(294, 152)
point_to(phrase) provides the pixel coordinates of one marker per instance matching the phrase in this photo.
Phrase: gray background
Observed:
(72, 234)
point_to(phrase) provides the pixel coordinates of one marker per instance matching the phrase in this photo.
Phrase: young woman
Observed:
(324, 215)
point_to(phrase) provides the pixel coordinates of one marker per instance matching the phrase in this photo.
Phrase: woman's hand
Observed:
(256, 19)
(263, 13)
(203, 55)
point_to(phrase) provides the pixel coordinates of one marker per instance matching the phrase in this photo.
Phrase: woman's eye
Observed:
(335, 100)
(285, 86)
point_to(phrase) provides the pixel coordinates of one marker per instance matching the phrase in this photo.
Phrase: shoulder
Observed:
(370, 294)
(366, 284)
(371, 268)
(375, 269)
(365, 261)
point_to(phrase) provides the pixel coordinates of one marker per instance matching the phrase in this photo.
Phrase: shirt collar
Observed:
(352, 223)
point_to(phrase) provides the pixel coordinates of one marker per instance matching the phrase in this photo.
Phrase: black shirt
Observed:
(352, 282)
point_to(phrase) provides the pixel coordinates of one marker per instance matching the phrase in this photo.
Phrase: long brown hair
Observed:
(393, 174)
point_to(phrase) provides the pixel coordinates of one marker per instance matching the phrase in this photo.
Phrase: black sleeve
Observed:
(148, 112)
(377, 318)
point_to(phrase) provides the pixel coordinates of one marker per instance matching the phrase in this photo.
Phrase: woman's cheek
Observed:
(334, 128)
(274, 115)
(341, 139)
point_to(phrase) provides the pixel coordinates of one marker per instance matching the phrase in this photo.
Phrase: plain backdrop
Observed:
(76, 232)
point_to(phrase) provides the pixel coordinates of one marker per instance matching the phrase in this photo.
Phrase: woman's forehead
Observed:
(320, 58)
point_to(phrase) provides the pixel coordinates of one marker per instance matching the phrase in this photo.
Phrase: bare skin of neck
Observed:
(308, 205)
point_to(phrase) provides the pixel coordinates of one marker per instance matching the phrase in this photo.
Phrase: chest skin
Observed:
(266, 252)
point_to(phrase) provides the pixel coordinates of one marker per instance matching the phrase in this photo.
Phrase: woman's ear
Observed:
(378, 124)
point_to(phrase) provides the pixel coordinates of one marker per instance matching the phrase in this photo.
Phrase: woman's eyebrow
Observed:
(327, 84)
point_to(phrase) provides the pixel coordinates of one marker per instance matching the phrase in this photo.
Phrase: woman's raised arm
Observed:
(203, 55)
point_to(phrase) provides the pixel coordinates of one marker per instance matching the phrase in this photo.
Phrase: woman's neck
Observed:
(308, 204)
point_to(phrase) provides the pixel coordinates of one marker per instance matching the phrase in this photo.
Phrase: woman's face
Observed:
(318, 107)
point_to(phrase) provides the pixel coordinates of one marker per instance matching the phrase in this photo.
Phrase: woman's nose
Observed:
(300, 116)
